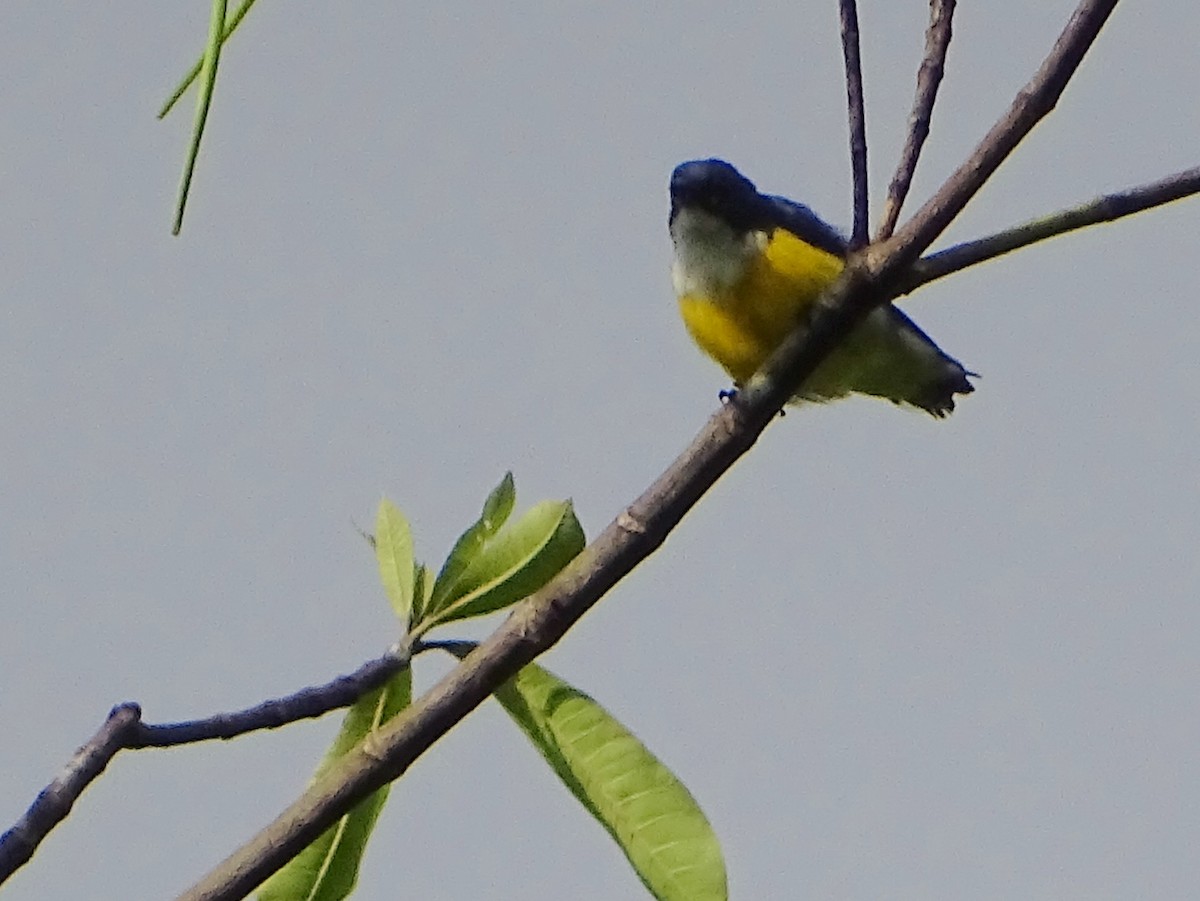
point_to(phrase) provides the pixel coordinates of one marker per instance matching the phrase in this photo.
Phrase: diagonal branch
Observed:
(543, 618)
(848, 14)
(1106, 208)
(55, 801)
(929, 78)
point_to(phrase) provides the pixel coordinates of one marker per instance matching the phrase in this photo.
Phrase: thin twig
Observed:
(1106, 208)
(1032, 103)
(459, 649)
(124, 729)
(542, 619)
(307, 703)
(55, 801)
(855, 107)
(929, 78)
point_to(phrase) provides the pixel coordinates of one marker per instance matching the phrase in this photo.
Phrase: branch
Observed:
(848, 14)
(308, 703)
(1106, 208)
(929, 78)
(124, 729)
(543, 618)
(55, 801)
(1032, 103)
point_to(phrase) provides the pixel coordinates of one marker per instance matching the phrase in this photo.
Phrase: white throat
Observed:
(709, 256)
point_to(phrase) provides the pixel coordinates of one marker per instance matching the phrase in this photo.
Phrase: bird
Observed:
(748, 266)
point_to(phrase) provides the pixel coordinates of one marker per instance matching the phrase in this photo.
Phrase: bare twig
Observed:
(1107, 208)
(307, 703)
(539, 621)
(124, 729)
(855, 106)
(1032, 103)
(55, 801)
(459, 649)
(929, 78)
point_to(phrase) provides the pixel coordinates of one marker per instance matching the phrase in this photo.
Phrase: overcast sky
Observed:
(892, 657)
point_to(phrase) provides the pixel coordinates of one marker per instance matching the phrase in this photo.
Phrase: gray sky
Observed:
(892, 657)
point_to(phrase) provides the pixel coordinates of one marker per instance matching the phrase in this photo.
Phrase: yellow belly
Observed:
(741, 325)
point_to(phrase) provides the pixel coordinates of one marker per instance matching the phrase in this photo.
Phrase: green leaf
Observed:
(208, 83)
(496, 510)
(230, 26)
(499, 505)
(328, 868)
(645, 808)
(420, 592)
(394, 551)
(514, 563)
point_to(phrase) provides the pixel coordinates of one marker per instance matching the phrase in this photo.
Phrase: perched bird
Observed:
(748, 265)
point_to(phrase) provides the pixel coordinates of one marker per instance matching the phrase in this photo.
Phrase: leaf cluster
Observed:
(495, 563)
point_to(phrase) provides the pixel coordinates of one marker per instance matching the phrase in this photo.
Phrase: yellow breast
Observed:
(741, 323)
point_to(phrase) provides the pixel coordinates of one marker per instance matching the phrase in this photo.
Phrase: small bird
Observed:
(747, 267)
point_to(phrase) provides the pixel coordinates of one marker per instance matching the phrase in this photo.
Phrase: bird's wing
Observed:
(801, 221)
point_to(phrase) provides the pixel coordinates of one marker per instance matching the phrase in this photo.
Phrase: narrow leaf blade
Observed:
(394, 552)
(643, 805)
(194, 73)
(328, 868)
(208, 83)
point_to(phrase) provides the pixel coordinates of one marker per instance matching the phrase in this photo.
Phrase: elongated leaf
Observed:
(517, 561)
(645, 808)
(394, 551)
(208, 83)
(230, 26)
(328, 868)
(496, 510)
